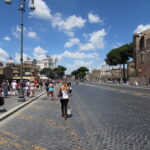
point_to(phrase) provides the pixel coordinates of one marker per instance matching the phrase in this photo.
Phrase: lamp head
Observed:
(8, 1)
(32, 7)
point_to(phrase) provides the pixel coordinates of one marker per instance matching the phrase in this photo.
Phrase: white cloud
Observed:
(72, 42)
(87, 46)
(17, 30)
(141, 28)
(3, 55)
(79, 63)
(32, 34)
(76, 55)
(68, 24)
(95, 41)
(69, 33)
(7, 38)
(94, 18)
(39, 53)
(80, 55)
(40, 50)
(27, 32)
(41, 11)
(17, 57)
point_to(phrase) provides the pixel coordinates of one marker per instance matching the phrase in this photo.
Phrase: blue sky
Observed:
(76, 32)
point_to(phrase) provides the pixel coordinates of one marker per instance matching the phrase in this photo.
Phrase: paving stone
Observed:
(105, 121)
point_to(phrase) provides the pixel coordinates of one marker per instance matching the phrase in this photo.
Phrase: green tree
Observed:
(112, 58)
(47, 72)
(74, 73)
(120, 56)
(59, 71)
(83, 69)
(80, 73)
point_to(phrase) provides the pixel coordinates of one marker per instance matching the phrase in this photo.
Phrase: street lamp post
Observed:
(22, 10)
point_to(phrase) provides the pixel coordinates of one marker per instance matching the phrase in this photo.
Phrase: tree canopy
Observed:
(120, 56)
(80, 73)
(47, 72)
(57, 72)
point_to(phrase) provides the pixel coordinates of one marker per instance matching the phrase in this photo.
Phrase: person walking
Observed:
(32, 88)
(41, 84)
(51, 90)
(13, 86)
(18, 87)
(46, 87)
(2, 100)
(1, 90)
(63, 94)
(27, 88)
(5, 85)
(70, 88)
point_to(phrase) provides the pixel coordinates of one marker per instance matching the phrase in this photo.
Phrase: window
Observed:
(148, 43)
(142, 43)
(142, 57)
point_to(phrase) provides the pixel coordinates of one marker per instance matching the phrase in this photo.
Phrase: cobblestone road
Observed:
(102, 120)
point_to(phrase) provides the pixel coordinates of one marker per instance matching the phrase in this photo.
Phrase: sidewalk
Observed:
(12, 104)
(121, 85)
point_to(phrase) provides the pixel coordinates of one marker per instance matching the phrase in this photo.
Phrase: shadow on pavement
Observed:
(3, 110)
(69, 116)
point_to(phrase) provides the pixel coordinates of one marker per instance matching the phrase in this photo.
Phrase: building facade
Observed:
(1, 72)
(142, 55)
(95, 75)
(131, 69)
(116, 73)
(45, 63)
(11, 71)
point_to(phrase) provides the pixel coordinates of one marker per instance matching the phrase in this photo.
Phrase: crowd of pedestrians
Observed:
(13, 88)
(62, 92)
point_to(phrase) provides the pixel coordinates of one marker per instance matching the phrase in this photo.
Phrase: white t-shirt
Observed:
(14, 85)
(27, 83)
(64, 94)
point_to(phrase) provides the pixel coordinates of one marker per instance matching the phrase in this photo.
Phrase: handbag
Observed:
(69, 113)
(60, 93)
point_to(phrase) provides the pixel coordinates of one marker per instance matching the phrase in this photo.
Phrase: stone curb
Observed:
(10, 112)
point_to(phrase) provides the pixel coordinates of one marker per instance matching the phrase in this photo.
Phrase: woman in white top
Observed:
(64, 98)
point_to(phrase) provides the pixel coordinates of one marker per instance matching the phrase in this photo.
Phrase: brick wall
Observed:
(142, 52)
